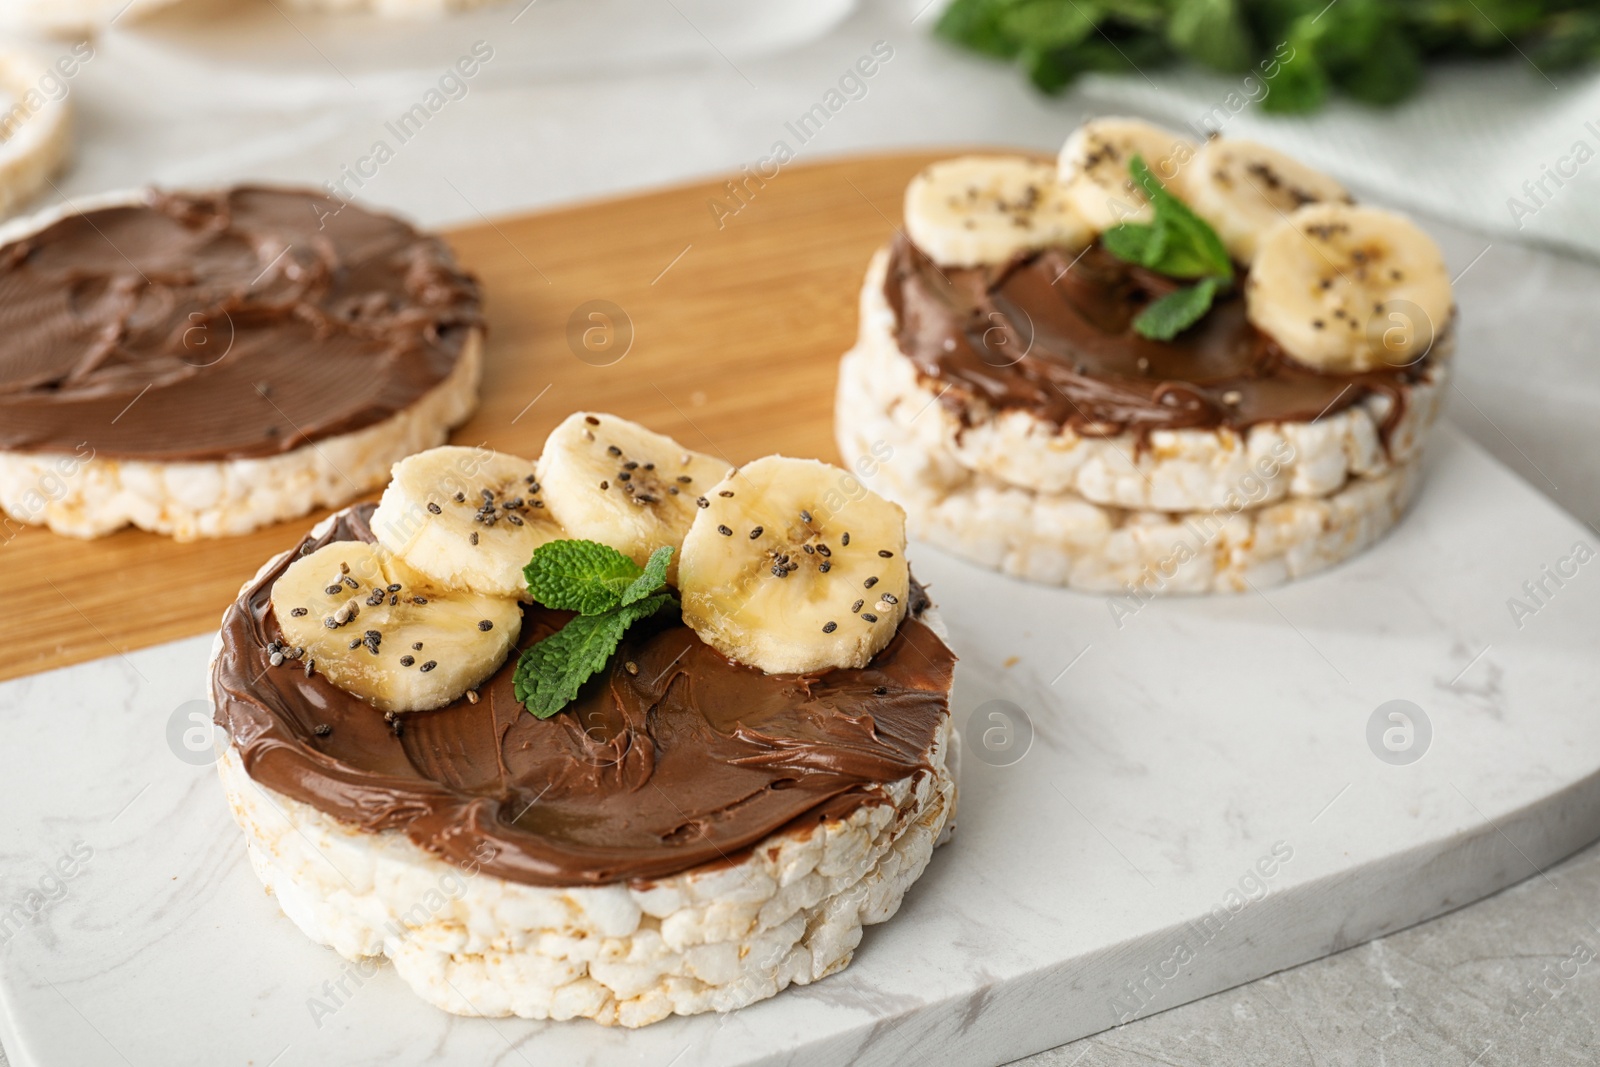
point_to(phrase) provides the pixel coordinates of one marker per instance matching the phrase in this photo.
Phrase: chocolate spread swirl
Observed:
(239, 323)
(1052, 333)
(683, 759)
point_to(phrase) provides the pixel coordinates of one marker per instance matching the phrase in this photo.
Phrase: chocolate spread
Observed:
(238, 323)
(1052, 334)
(683, 758)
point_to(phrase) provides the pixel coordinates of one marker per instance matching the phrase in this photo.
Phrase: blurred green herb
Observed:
(1299, 50)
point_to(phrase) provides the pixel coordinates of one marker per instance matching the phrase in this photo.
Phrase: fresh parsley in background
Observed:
(1371, 50)
(1177, 243)
(609, 592)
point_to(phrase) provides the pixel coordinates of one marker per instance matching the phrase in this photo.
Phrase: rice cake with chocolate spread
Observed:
(201, 364)
(1119, 419)
(1060, 538)
(691, 835)
(1040, 430)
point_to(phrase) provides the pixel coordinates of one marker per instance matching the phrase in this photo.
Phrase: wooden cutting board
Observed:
(737, 317)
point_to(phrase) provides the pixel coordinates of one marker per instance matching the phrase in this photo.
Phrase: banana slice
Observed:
(1242, 188)
(1345, 288)
(1093, 168)
(795, 567)
(374, 627)
(973, 210)
(467, 518)
(613, 481)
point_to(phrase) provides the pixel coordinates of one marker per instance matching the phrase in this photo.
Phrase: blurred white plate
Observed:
(273, 53)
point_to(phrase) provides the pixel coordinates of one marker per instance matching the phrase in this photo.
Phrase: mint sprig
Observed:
(1177, 243)
(609, 592)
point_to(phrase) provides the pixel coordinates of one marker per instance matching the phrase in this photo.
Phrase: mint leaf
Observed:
(1177, 311)
(550, 672)
(582, 576)
(1367, 55)
(1371, 50)
(977, 24)
(1177, 243)
(1299, 83)
(1046, 70)
(1212, 32)
(1136, 242)
(608, 591)
(1193, 249)
(1047, 24)
(653, 577)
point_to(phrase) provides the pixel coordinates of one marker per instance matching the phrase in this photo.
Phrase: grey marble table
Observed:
(1496, 983)
(1507, 981)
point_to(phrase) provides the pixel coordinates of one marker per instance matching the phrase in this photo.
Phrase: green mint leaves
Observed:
(1292, 55)
(653, 577)
(609, 592)
(590, 578)
(1177, 243)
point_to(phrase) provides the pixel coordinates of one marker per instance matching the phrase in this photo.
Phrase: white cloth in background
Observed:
(1495, 146)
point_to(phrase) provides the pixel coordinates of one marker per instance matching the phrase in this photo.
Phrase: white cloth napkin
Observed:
(1501, 147)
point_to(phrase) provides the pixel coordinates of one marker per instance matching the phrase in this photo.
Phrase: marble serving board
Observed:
(1155, 804)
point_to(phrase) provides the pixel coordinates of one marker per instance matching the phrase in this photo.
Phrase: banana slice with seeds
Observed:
(1243, 188)
(1345, 288)
(1093, 168)
(613, 481)
(376, 628)
(467, 518)
(974, 210)
(795, 568)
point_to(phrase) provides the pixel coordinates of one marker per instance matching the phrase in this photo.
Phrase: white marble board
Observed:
(1169, 757)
